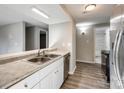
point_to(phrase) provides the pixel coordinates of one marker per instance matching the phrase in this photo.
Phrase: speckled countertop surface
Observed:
(13, 72)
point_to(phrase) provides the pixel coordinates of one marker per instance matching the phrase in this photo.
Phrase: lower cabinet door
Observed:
(47, 82)
(55, 79)
(59, 77)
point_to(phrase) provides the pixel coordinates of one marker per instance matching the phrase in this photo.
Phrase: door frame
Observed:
(47, 38)
(105, 28)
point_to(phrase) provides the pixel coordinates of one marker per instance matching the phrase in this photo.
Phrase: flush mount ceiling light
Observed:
(90, 7)
(40, 12)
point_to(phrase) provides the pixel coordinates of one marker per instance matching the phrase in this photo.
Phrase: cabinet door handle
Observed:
(26, 85)
(56, 72)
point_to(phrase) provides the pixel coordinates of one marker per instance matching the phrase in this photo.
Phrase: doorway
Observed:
(43, 39)
(102, 42)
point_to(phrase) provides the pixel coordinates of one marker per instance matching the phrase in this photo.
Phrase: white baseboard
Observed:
(72, 72)
(84, 61)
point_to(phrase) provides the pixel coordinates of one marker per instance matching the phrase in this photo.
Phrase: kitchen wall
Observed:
(107, 38)
(12, 38)
(85, 46)
(62, 36)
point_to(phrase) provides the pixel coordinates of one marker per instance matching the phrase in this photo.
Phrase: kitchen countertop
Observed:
(60, 52)
(13, 72)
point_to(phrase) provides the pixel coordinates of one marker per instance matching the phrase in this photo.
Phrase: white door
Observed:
(100, 43)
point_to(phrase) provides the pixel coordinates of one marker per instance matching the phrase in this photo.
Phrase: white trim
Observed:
(98, 62)
(72, 72)
(84, 61)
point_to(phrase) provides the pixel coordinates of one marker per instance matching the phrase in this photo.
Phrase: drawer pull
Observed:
(26, 85)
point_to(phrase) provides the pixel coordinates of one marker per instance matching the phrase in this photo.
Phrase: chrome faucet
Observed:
(43, 52)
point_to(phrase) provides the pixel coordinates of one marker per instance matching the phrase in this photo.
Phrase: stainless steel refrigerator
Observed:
(117, 58)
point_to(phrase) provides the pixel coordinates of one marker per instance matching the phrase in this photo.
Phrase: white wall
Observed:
(85, 44)
(107, 39)
(62, 36)
(12, 38)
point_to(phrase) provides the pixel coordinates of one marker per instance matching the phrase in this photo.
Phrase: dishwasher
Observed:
(66, 65)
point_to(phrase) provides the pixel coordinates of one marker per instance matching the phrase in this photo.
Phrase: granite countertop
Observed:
(13, 72)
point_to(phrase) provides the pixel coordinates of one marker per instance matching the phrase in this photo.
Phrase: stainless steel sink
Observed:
(42, 59)
(51, 55)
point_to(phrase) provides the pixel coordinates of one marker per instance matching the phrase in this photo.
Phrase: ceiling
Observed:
(101, 14)
(11, 13)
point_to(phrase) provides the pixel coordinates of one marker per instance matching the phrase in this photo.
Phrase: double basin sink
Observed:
(43, 58)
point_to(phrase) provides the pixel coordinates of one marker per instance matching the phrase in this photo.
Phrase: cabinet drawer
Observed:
(28, 82)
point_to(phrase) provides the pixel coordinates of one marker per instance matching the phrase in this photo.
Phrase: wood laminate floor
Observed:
(86, 76)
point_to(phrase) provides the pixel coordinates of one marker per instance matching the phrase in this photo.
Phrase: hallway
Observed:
(86, 76)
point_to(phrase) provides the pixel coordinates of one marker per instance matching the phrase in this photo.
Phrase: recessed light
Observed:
(90, 7)
(40, 12)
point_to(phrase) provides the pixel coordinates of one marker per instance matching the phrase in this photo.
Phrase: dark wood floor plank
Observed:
(86, 76)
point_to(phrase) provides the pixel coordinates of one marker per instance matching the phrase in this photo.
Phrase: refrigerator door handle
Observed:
(116, 58)
(114, 47)
(114, 55)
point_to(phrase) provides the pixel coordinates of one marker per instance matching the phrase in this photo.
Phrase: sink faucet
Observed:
(39, 51)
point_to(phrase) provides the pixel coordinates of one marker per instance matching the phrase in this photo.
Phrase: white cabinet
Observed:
(37, 86)
(58, 77)
(55, 78)
(50, 77)
(47, 82)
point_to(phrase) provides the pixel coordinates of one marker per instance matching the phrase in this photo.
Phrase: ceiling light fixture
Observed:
(40, 12)
(90, 7)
